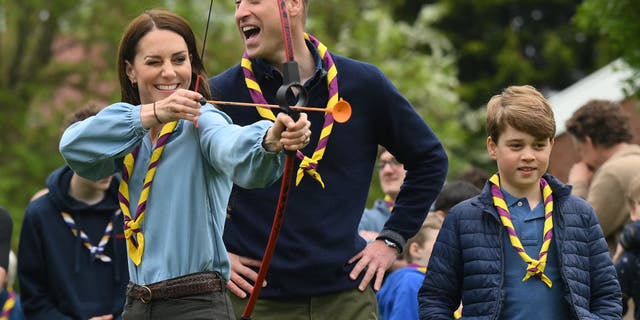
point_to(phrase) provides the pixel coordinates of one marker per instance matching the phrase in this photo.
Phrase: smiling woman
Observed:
(176, 177)
(161, 66)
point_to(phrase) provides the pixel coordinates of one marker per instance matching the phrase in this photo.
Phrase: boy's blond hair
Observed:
(523, 108)
(433, 221)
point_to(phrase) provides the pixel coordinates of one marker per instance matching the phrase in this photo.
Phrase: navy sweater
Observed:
(319, 233)
(57, 278)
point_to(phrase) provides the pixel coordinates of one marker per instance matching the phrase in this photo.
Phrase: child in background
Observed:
(453, 193)
(397, 299)
(10, 306)
(525, 247)
(627, 257)
(72, 250)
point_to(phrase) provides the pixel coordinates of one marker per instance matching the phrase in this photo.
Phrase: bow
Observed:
(203, 100)
(291, 81)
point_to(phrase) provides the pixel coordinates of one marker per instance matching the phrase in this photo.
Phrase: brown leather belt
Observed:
(191, 284)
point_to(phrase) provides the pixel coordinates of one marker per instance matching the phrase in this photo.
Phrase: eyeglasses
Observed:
(392, 162)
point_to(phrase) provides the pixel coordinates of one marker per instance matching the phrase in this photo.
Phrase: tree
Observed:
(499, 43)
(617, 22)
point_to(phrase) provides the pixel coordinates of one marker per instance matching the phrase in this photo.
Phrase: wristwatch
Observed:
(392, 244)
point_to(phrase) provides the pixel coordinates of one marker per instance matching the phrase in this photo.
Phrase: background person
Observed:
(6, 229)
(397, 299)
(609, 161)
(627, 257)
(72, 252)
(10, 305)
(453, 193)
(391, 174)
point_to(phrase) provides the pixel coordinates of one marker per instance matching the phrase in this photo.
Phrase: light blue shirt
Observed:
(374, 219)
(531, 299)
(186, 207)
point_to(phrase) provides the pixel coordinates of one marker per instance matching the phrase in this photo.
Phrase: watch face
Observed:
(392, 244)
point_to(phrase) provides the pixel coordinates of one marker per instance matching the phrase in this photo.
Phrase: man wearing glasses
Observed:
(391, 173)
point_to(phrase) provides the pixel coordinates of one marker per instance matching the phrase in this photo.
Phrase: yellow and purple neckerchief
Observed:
(133, 226)
(534, 267)
(418, 267)
(388, 202)
(307, 165)
(95, 252)
(8, 305)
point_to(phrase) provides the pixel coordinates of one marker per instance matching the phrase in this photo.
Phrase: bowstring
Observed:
(215, 239)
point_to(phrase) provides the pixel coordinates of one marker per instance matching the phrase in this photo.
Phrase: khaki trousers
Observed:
(347, 305)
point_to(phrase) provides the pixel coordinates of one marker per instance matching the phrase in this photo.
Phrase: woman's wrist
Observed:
(156, 114)
(269, 143)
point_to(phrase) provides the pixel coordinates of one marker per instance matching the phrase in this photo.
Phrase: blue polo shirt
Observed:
(531, 298)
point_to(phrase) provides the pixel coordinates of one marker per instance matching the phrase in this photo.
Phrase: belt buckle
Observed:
(142, 296)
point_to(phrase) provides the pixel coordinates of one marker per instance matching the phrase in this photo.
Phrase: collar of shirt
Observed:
(518, 206)
(262, 69)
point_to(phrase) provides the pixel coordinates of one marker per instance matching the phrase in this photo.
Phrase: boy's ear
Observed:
(414, 251)
(491, 148)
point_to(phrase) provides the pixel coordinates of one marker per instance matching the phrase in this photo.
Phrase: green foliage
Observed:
(420, 61)
(617, 22)
(502, 43)
(499, 43)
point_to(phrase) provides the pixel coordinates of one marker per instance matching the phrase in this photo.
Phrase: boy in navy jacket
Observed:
(525, 247)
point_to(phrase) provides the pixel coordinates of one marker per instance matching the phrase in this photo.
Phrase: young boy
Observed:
(397, 297)
(627, 258)
(72, 253)
(524, 247)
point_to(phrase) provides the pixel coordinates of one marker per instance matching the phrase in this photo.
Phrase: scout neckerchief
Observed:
(133, 226)
(388, 202)
(95, 252)
(534, 267)
(307, 165)
(8, 305)
(418, 267)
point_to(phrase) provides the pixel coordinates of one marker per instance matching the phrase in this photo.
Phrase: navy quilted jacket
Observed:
(467, 261)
